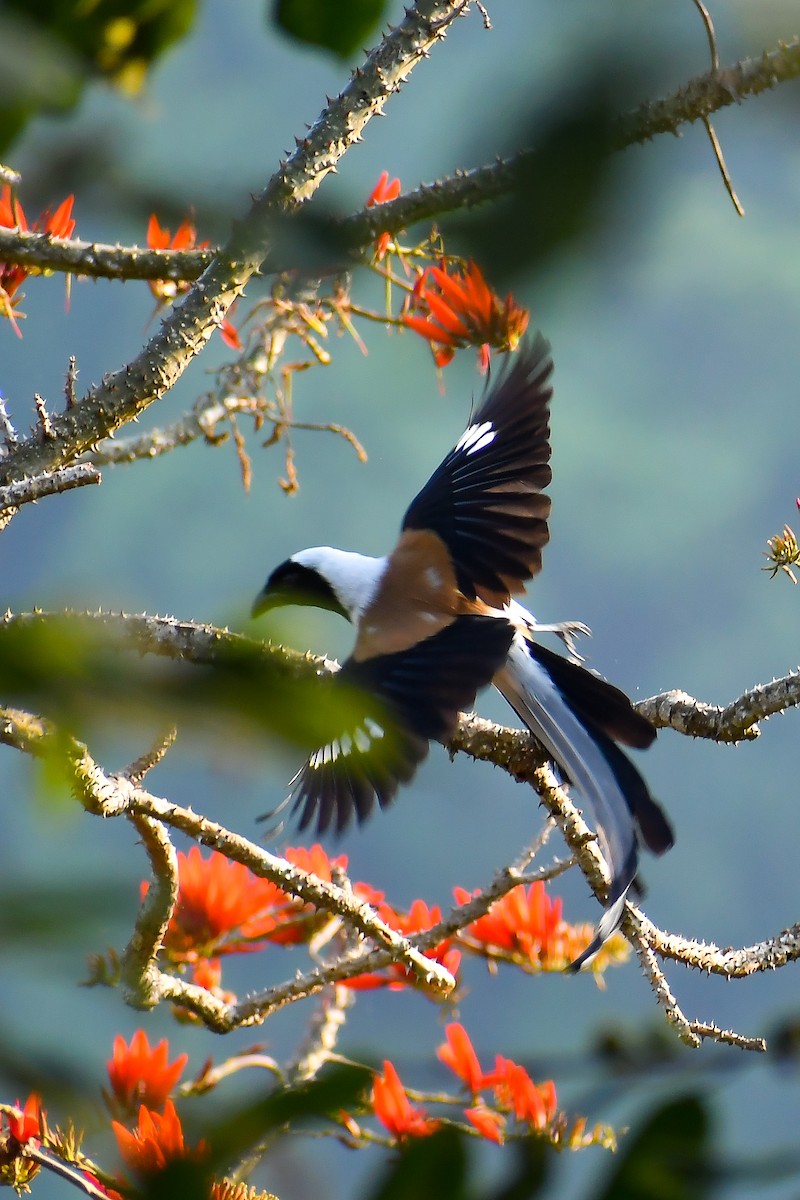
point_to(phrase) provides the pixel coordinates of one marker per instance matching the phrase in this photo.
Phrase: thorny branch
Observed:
(695, 101)
(49, 483)
(123, 395)
(512, 750)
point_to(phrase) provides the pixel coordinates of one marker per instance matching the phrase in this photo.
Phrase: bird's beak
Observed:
(269, 598)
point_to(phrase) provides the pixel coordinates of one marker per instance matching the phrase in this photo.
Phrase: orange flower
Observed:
(17, 1168)
(59, 224)
(141, 1075)
(418, 918)
(527, 927)
(462, 310)
(489, 1124)
(384, 190)
(515, 1091)
(166, 290)
(393, 1108)
(25, 1125)
(157, 1141)
(158, 238)
(458, 1054)
(223, 908)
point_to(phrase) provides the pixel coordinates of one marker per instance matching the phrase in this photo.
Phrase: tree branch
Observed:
(34, 487)
(695, 101)
(125, 394)
(514, 751)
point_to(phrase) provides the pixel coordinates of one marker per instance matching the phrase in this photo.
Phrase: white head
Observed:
(324, 578)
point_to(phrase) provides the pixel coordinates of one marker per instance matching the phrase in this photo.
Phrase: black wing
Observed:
(485, 501)
(391, 707)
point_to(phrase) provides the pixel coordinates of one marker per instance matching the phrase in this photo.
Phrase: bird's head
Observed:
(321, 577)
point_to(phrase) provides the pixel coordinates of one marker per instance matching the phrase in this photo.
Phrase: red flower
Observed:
(384, 190)
(515, 1091)
(17, 1168)
(526, 926)
(166, 290)
(393, 1108)
(158, 238)
(458, 1054)
(489, 1124)
(157, 1141)
(223, 908)
(58, 225)
(462, 310)
(141, 1075)
(25, 1125)
(418, 918)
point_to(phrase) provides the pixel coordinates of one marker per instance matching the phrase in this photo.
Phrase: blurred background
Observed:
(674, 326)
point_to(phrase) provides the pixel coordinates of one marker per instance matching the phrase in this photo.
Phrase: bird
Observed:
(436, 620)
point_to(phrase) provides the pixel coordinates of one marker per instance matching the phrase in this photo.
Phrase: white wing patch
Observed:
(477, 437)
(362, 740)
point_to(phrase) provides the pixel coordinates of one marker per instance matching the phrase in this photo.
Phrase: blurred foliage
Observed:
(345, 27)
(88, 678)
(441, 1168)
(667, 1157)
(60, 914)
(566, 190)
(49, 52)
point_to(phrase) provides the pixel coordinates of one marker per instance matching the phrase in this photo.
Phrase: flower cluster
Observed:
(784, 552)
(419, 918)
(501, 1103)
(223, 908)
(21, 1128)
(533, 1107)
(58, 224)
(141, 1075)
(447, 302)
(456, 307)
(167, 290)
(385, 189)
(393, 1108)
(526, 927)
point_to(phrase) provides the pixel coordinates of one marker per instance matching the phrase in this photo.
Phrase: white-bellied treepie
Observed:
(435, 622)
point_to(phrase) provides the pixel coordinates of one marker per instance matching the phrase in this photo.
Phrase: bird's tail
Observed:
(579, 718)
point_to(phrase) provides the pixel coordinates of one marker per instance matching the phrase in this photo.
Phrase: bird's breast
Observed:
(417, 597)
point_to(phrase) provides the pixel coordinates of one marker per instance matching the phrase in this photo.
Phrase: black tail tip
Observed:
(609, 923)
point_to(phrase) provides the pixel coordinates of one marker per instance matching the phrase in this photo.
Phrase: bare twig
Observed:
(203, 422)
(708, 24)
(137, 770)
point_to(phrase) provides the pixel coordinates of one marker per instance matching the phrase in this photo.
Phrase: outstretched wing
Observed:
(485, 501)
(391, 707)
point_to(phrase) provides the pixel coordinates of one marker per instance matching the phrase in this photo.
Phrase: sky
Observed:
(674, 334)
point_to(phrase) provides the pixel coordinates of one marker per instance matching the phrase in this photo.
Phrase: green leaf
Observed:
(343, 26)
(433, 1167)
(666, 1158)
(338, 1088)
(82, 675)
(48, 52)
